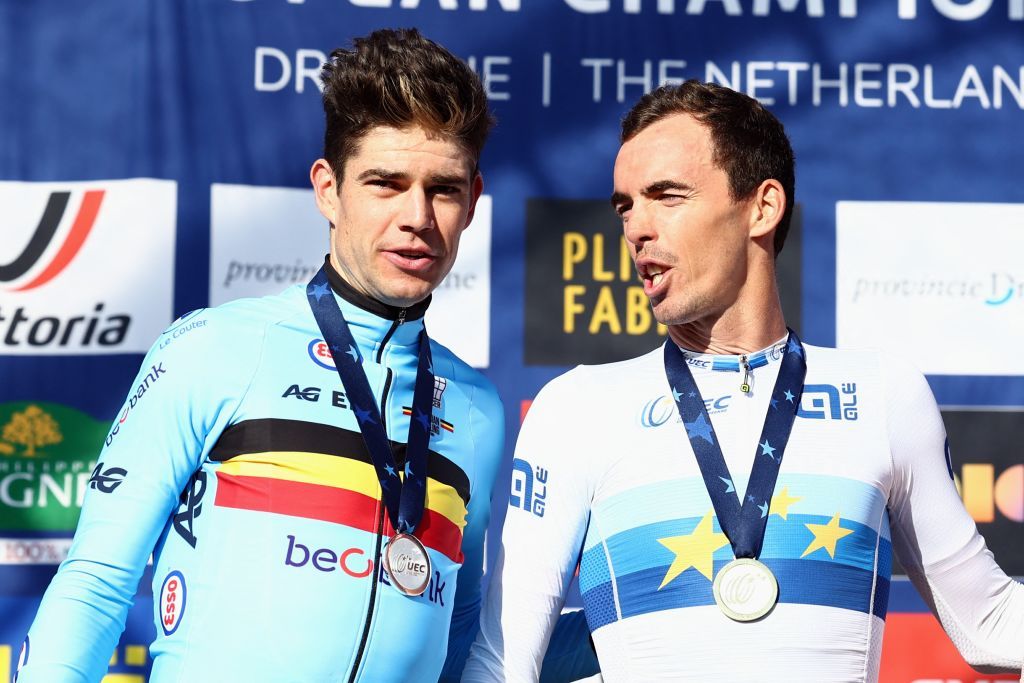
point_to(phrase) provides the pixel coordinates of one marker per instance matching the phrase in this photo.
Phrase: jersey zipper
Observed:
(380, 517)
(745, 387)
(387, 337)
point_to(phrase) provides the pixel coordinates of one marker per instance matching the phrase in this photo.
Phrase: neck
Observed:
(739, 329)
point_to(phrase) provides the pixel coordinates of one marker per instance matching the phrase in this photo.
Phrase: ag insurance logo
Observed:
(85, 267)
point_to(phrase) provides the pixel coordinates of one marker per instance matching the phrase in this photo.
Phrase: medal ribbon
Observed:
(743, 523)
(404, 502)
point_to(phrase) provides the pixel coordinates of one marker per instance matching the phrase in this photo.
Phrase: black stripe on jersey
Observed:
(274, 435)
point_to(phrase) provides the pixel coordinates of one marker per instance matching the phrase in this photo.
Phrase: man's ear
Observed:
(475, 191)
(767, 209)
(325, 187)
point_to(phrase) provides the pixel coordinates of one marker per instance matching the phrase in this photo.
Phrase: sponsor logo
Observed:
(55, 331)
(149, 380)
(661, 409)
(828, 402)
(242, 267)
(584, 303)
(905, 294)
(321, 354)
(436, 423)
(990, 478)
(529, 487)
(440, 384)
(61, 242)
(657, 412)
(312, 395)
(172, 602)
(181, 327)
(190, 506)
(108, 480)
(47, 454)
(355, 563)
(44, 233)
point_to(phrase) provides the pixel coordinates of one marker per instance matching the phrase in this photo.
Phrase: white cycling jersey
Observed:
(605, 477)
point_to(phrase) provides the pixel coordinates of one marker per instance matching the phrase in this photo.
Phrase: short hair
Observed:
(749, 143)
(398, 78)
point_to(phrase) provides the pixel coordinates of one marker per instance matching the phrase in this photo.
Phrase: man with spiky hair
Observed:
(310, 472)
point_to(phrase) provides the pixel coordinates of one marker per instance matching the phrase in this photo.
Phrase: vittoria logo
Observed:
(42, 236)
(68, 253)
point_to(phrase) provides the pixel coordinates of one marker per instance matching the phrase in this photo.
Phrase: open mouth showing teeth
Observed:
(655, 275)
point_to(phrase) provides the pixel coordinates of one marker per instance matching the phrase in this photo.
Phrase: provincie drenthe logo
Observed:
(86, 267)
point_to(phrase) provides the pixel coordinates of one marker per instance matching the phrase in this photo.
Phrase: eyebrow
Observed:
(656, 187)
(438, 179)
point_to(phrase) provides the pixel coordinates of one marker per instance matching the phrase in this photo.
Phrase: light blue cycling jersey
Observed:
(238, 463)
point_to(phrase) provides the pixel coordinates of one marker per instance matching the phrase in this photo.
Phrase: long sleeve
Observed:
(155, 445)
(541, 541)
(981, 609)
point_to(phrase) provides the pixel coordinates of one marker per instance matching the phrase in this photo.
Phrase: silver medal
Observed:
(745, 589)
(407, 564)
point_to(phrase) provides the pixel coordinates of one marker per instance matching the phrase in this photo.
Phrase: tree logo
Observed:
(32, 428)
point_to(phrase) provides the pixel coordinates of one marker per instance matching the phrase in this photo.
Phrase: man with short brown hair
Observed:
(309, 471)
(751, 537)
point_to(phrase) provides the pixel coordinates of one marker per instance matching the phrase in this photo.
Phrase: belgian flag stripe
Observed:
(330, 504)
(329, 470)
(268, 435)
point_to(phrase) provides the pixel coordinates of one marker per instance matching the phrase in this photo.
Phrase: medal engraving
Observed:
(745, 590)
(407, 564)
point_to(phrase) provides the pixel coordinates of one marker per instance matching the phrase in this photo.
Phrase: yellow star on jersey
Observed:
(826, 536)
(781, 502)
(694, 550)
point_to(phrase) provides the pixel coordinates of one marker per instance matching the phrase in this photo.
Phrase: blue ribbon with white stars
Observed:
(403, 501)
(743, 523)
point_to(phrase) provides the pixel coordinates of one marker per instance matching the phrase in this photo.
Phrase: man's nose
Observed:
(417, 212)
(639, 228)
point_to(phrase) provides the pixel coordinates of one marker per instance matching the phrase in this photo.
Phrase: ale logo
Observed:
(84, 266)
(47, 454)
(42, 237)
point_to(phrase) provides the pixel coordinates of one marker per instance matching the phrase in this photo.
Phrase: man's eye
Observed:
(445, 190)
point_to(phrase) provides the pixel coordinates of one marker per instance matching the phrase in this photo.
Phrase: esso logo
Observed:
(172, 602)
(321, 354)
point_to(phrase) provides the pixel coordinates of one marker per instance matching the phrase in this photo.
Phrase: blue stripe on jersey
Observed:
(806, 582)
(733, 362)
(638, 549)
(687, 498)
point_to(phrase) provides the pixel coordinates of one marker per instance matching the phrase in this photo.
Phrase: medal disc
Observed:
(745, 589)
(407, 564)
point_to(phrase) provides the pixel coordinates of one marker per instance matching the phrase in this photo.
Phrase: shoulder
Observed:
(896, 376)
(605, 385)
(235, 321)
(478, 389)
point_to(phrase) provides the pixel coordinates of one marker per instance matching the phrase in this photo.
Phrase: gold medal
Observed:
(745, 589)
